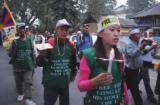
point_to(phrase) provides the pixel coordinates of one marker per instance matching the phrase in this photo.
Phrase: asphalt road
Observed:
(8, 94)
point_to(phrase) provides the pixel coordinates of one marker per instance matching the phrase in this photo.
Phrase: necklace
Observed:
(63, 50)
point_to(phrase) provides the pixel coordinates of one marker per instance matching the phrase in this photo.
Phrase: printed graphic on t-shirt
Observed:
(108, 95)
(60, 67)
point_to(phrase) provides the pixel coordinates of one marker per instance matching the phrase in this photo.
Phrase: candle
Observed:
(111, 57)
(43, 41)
(104, 59)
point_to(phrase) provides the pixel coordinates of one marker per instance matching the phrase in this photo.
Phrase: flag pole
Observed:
(6, 6)
(4, 1)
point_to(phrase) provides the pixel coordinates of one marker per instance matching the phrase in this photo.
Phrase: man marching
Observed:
(21, 53)
(59, 66)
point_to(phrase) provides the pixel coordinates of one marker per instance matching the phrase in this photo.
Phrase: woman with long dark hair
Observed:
(103, 83)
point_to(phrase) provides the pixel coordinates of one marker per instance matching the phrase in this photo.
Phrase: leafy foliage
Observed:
(66, 9)
(49, 11)
(97, 8)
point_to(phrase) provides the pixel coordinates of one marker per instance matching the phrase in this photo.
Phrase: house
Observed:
(92, 24)
(121, 11)
(149, 17)
(126, 25)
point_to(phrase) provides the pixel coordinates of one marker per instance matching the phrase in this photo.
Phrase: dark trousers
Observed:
(1, 40)
(80, 54)
(144, 74)
(157, 87)
(51, 95)
(131, 80)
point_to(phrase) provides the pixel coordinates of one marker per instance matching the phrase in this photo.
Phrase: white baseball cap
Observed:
(106, 22)
(20, 25)
(134, 31)
(79, 32)
(62, 22)
(149, 30)
(26, 27)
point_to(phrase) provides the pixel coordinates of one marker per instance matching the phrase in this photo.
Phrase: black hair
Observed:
(100, 53)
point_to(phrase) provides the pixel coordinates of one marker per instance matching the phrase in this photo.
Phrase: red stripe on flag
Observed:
(10, 23)
(7, 18)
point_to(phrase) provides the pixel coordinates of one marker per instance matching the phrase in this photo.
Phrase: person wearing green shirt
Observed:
(59, 66)
(21, 53)
(100, 67)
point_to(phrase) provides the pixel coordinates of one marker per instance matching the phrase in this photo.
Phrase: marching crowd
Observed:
(105, 72)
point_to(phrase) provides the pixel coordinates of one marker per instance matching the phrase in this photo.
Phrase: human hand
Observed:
(154, 45)
(142, 46)
(102, 79)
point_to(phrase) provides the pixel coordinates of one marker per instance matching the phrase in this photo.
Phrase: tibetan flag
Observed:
(7, 19)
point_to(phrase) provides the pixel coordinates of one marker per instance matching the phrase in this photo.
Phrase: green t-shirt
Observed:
(104, 95)
(57, 72)
(23, 58)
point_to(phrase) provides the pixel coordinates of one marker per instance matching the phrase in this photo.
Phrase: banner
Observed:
(10, 35)
(8, 24)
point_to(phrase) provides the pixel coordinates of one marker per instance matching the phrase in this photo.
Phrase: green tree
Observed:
(46, 18)
(46, 11)
(49, 11)
(28, 10)
(98, 8)
(66, 9)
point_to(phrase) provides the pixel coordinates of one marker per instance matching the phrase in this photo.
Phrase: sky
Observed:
(120, 2)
